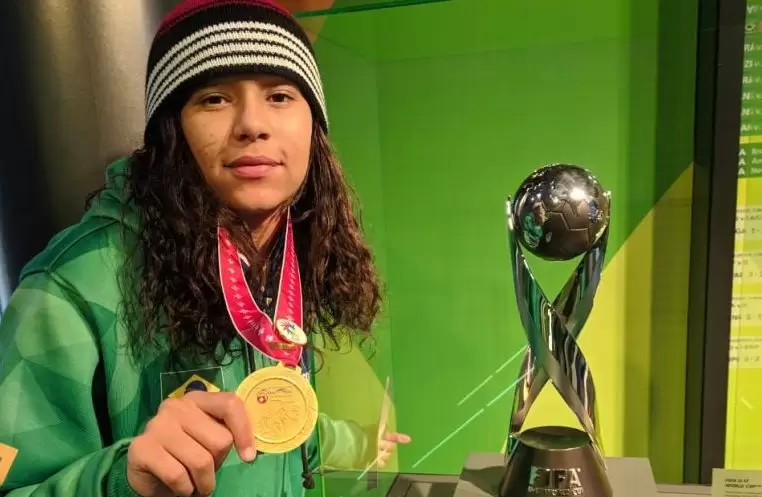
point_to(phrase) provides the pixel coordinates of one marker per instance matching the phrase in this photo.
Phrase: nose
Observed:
(252, 117)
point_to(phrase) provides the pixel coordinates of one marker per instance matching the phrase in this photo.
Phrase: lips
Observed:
(253, 161)
(252, 168)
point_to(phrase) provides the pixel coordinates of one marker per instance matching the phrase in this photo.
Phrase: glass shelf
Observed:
(314, 8)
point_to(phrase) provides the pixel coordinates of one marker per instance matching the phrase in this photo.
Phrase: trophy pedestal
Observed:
(629, 476)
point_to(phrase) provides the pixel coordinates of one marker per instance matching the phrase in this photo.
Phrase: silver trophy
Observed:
(558, 213)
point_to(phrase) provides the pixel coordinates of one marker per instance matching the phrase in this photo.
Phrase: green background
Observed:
(438, 112)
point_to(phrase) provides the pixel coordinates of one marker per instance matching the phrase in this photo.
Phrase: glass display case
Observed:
(438, 111)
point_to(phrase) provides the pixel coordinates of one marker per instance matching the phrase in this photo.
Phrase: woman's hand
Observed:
(186, 442)
(387, 444)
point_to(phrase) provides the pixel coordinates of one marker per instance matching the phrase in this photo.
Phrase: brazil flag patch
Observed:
(177, 384)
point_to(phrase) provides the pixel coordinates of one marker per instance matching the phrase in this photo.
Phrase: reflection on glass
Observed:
(355, 393)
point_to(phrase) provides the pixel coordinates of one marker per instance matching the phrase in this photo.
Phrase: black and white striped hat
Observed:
(203, 39)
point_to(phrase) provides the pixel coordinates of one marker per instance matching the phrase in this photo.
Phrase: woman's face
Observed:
(251, 138)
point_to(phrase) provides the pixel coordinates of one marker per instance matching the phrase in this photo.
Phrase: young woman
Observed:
(166, 328)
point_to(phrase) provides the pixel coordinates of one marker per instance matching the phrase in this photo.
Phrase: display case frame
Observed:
(717, 132)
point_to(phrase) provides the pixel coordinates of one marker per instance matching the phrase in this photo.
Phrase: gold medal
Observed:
(282, 407)
(289, 331)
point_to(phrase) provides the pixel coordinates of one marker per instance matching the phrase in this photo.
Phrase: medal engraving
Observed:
(282, 407)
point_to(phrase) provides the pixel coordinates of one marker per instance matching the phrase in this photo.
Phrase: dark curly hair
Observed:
(172, 272)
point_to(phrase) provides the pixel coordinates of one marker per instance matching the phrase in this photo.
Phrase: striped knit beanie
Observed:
(203, 39)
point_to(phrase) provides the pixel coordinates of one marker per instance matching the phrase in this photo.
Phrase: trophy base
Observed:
(554, 461)
(483, 474)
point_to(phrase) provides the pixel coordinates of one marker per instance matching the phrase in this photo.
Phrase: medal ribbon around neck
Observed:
(253, 324)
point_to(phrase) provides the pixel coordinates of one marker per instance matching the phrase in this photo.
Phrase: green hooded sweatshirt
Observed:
(72, 398)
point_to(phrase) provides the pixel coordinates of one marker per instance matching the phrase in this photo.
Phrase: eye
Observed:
(213, 100)
(282, 95)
